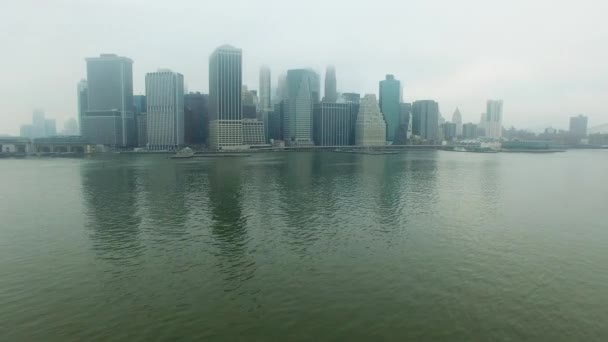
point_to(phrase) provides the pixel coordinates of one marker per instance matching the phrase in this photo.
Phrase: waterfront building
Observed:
(469, 131)
(248, 101)
(253, 132)
(331, 91)
(390, 98)
(302, 94)
(142, 129)
(404, 131)
(139, 104)
(165, 109)
(449, 131)
(225, 109)
(109, 118)
(196, 118)
(425, 120)
(38, 124)
(578, 127)
(275, 122)
(493, 120)
(457, 119)
(332, 124)
(370, 126)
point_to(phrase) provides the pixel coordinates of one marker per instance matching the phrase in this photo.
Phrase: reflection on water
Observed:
(423, 245)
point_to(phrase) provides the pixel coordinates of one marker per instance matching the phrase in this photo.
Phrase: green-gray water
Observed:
(306, 246)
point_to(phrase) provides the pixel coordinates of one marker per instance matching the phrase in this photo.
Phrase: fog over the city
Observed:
(547, 59)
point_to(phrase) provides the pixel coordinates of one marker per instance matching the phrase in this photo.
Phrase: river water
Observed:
(425, 245)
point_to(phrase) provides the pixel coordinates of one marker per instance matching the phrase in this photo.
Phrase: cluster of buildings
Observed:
(231, 116)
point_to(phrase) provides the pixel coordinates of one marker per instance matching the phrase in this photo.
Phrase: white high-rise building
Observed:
(225, 91)
(457, 119)
(370, 127)
(493, 119)
(165, 109)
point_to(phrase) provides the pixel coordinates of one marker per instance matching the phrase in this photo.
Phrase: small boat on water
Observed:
(184, 153)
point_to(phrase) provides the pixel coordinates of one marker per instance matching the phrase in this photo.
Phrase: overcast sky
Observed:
(547, 59)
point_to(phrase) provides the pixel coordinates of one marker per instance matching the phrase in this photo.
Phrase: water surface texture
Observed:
(306, 246)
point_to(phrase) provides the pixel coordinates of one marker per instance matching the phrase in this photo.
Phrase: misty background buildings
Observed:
(292, 113)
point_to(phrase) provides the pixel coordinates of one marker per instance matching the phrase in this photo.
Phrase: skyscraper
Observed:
(331, 91)
(109, 118)
(196, 118)
(353, 100)
(425, 120)
(371, 127)
(248, 103)
(83, 101)
(578, 127)
(301, 96)
(493, 119)
(469, 131)
(390, 96)
(332, 124)
(265, 104)
(165, 109)
(457, 119)
(50, 128)
(448, 130)
(225, 86)
(139, 104)
(405, 124)
(38, 124)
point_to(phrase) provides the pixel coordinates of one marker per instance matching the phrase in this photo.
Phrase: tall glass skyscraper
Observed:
(493, 119)
(331, 91)
(390, 97)
(109, 119)
(165, 109)
(425, 120)
(332, 124)
(302, 94)
(225, 86)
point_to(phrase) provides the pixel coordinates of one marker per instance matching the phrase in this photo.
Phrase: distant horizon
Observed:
(546, 66)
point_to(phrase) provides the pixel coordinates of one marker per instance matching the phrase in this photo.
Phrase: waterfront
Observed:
(422, 245)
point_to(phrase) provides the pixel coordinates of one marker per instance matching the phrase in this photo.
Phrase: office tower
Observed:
(469, 131)
(351, 97)
(50, 128)
(371, 127)
(449, 131)
(265, 104)
(142, 129)
(578, 126)
(275, 122)
(301, 97)
(353, 100)
(493, 119)
(404, 130)
(457, 119)
(248, 103)
(83, 101)
(225, 109)
(425, 120)
(196, 118)
(331, 91)
(281, 88)
(165, 109)
(38, 124)
(332, 124)
(139, 104)
(390, 96)
(253, 132)
(109, 119)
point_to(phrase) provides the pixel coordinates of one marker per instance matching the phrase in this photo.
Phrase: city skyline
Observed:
(545, 73)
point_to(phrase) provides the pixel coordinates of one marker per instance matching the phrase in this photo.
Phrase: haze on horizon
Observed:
(545, 59)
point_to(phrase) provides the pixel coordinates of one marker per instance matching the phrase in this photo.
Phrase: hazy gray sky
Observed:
(547, 59)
